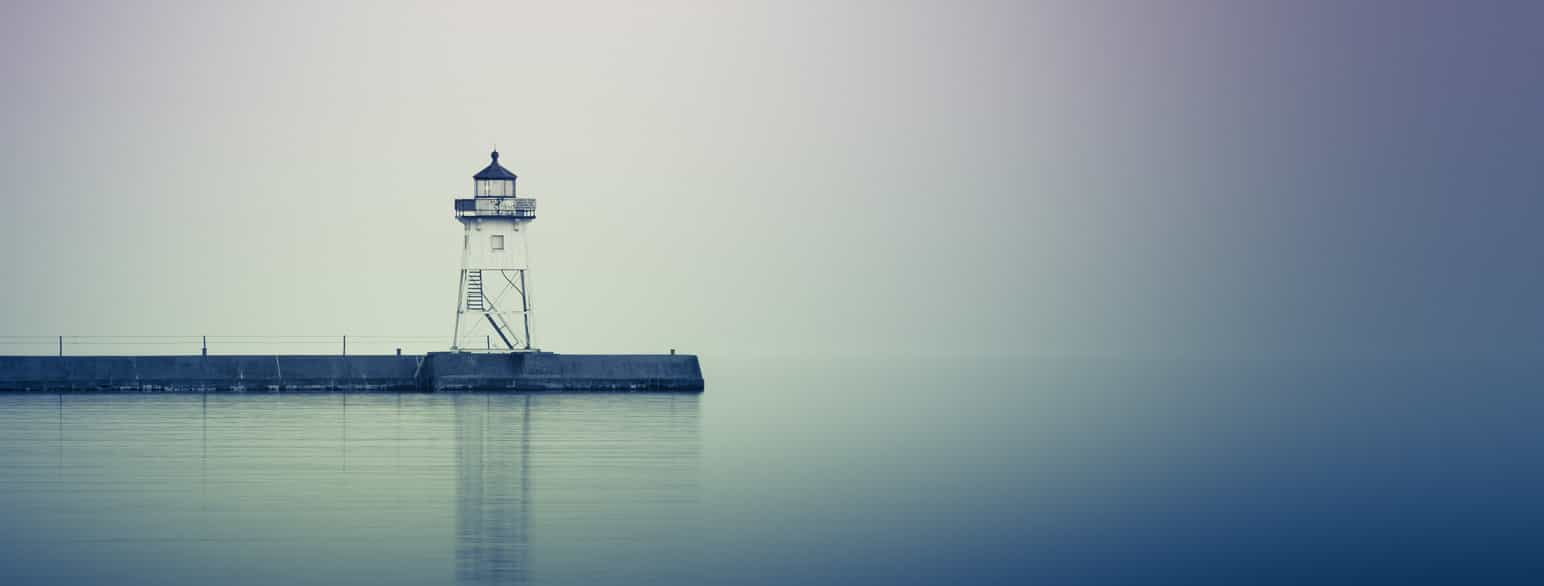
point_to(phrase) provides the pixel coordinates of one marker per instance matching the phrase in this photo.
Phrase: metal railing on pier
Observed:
(178, 345)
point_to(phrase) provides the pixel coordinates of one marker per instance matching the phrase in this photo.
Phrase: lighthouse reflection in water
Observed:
(493, 489)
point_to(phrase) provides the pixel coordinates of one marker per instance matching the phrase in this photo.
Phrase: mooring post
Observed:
(206, 346)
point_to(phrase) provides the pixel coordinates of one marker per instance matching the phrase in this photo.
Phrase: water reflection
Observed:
(326, 488)
(593, 465)
(493, 488)
(601, 460)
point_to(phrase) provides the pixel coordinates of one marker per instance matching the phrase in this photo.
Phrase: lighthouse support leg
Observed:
(455, 337)
(525, 311)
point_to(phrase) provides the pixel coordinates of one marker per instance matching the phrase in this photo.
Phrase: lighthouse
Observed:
(493, 301)
(491, 350)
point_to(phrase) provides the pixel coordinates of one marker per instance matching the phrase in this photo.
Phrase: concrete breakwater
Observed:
(436, 371)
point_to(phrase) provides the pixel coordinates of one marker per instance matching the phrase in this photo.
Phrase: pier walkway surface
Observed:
(435, 371)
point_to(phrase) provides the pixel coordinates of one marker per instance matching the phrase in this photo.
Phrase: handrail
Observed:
(120, 345)
(517, 207)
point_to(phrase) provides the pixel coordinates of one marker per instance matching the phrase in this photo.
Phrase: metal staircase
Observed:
(477, 300)
(474, 291)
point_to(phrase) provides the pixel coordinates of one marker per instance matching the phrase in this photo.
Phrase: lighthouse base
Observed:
(546, 371)
(437, 371)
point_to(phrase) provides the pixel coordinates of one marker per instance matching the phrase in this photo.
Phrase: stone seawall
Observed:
(438, 371)
(545, 371)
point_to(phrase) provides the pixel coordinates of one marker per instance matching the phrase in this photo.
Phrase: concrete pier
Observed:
(437, 371)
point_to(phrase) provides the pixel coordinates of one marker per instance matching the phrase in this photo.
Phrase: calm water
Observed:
(797, 472)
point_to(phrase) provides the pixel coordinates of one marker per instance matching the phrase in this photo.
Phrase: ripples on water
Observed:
(798, 472)
(328, 488)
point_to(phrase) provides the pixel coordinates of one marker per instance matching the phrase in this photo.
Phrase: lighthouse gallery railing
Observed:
(512, 207)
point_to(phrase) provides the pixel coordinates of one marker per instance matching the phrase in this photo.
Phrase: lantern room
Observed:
(494, 180)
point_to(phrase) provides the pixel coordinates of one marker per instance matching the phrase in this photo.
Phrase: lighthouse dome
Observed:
(494, 180)
(494, 170)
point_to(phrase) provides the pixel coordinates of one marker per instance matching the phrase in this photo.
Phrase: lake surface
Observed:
(800, 472)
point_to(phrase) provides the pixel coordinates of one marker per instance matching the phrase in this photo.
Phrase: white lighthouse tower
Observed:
(493, 306)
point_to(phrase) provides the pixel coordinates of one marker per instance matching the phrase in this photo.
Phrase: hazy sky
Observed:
(1129, 178)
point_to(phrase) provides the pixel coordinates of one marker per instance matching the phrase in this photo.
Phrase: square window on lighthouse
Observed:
(498, 242)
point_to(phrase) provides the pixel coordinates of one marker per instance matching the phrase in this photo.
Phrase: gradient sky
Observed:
(1124, 178)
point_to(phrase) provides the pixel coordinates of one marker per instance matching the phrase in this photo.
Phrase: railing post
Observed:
(345, 345)
(206, 346)
(61, 346)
